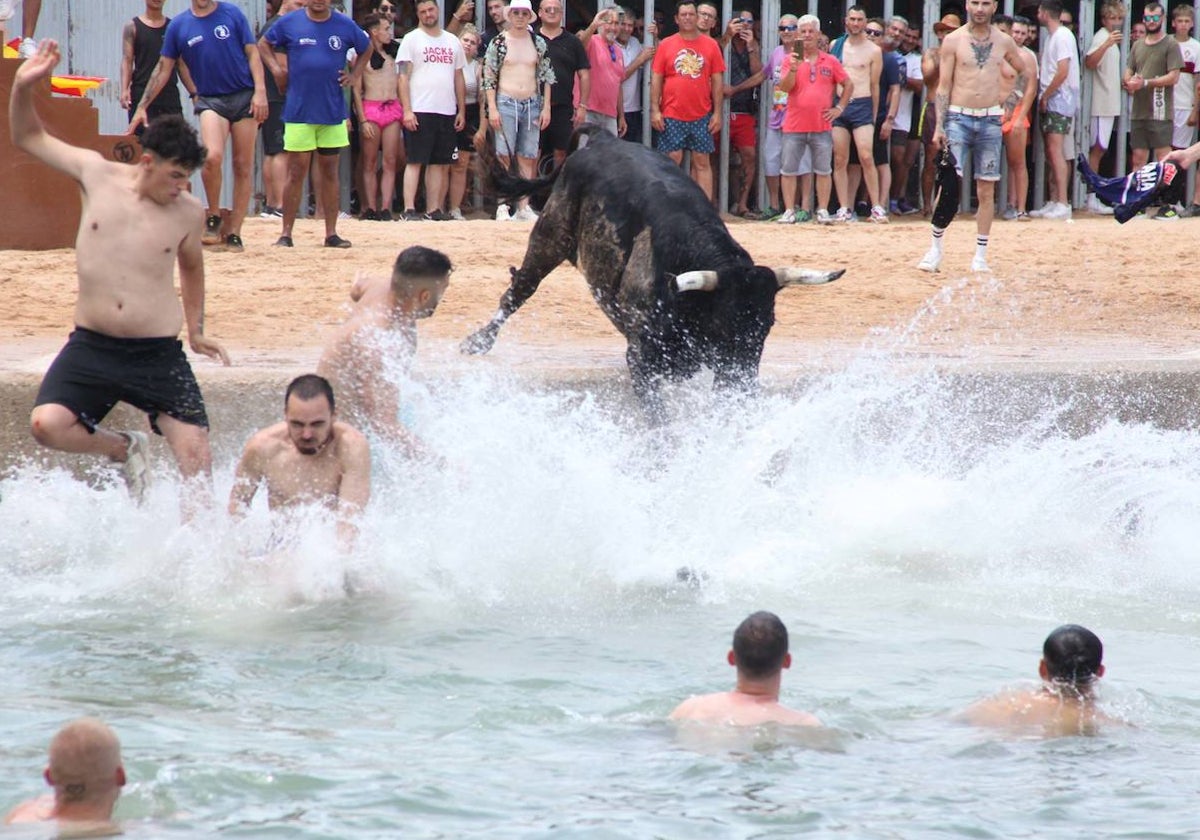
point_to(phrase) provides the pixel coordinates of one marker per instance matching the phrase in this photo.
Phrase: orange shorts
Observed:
(1006, 127)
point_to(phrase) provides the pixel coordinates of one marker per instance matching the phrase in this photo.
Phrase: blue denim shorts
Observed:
(982, 136)
(519, 131)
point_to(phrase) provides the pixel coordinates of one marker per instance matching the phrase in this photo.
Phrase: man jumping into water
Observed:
(137, 222)
(1065, 704)
(760, 653)
(311, 457)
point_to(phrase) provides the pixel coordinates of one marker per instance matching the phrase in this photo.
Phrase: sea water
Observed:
(519, 630)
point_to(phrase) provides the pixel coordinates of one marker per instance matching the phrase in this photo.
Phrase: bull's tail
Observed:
(507, 182)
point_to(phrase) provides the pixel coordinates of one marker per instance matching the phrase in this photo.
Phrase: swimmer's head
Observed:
(419, 279)
(85, 765)
(308, 409)
(171, 152)
(760, 646)
(1071, 656)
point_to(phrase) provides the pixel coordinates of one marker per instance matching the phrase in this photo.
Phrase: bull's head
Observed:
(739, 304)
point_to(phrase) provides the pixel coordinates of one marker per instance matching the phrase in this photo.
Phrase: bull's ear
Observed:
(696, 281)
(805, 276)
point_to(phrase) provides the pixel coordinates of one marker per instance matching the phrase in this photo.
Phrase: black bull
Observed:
(658, 259)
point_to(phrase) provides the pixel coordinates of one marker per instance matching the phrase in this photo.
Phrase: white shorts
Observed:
(1102, 129)
(1183, 135)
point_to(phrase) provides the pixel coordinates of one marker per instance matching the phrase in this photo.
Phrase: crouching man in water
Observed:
(137, 222)
(87, 776)
(760, 653)
(379, 340)
(311, 457)
(1065, 704)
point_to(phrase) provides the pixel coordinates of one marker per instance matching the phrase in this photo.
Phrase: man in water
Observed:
(760, 653)
(379, 339)
(1065, 704)
(309, 458)
(137, 222)
(86, 774)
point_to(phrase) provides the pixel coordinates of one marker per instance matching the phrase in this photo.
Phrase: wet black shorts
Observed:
(95, 371)
(229, 106)
(272, 129)
(435, 141)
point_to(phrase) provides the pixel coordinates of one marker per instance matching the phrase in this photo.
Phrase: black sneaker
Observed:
(439, 216)
(1190, 212)
(212, 231)
(284, 241)
(233, 242)
(370, 216)
(336, 241)
(383, 216)
(414, 216)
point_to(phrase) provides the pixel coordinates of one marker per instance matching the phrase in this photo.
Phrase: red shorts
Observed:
(743, 130)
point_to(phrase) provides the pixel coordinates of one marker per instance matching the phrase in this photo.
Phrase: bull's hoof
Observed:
(478, 343)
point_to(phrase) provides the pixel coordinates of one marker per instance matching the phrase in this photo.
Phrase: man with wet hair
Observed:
(309, 458)
(87, 776)
(379, 339)
(760, 653)
(1072, 662)
(137, 223)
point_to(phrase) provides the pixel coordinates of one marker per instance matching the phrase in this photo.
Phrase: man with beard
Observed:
(311, 457)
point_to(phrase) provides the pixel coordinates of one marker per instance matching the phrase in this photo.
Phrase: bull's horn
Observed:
(696, 281)
(805, 276)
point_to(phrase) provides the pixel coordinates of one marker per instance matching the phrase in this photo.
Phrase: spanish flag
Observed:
(65, 85)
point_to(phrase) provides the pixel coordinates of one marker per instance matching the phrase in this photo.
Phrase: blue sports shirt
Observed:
(214, 48)
(316, 53)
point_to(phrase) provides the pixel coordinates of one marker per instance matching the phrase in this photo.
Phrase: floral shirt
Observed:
(493, 60)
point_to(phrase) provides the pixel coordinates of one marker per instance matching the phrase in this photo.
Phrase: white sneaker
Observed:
(136, 468)
(823, 217)
(788, 217)
(1100, 208)
(1060, 212)
(502, 214)
(844, 215)
(1041, 212)
(1009, 215)
(525, 214)
(930, 261)
(457, 215)
(879, 215)
(979, 265)
(28, 48)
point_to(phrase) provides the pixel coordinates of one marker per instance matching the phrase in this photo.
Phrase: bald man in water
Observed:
(760, 653)
(1065, 704)
(87, 776)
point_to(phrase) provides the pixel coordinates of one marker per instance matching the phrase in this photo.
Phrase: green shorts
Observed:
(307, 137)
(1053, 123)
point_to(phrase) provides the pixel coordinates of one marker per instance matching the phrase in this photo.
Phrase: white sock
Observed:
(936, 247)
(981, 243)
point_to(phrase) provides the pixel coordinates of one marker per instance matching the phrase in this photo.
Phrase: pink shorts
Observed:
(383, 114)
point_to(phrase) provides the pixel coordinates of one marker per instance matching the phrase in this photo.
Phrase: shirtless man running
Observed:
(1065, 704)
(86, 773)
(863, 61)
(311, 457)
(137, 222)
(969, 114)
(760, 653)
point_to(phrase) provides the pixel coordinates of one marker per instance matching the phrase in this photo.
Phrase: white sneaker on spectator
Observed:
(1060, 212)
(502, 214)
(879, 215)
(788, 217)
(1041, 212)
(979, 264)
(823, 217)
(525, 214)
(930, 261)
(136, 468)
(1009, 215)
(28, 48)
(456, 215)
(844, 214)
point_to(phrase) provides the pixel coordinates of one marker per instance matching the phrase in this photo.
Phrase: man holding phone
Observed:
(745, 80)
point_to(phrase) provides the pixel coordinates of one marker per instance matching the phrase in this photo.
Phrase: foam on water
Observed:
(870, 473)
